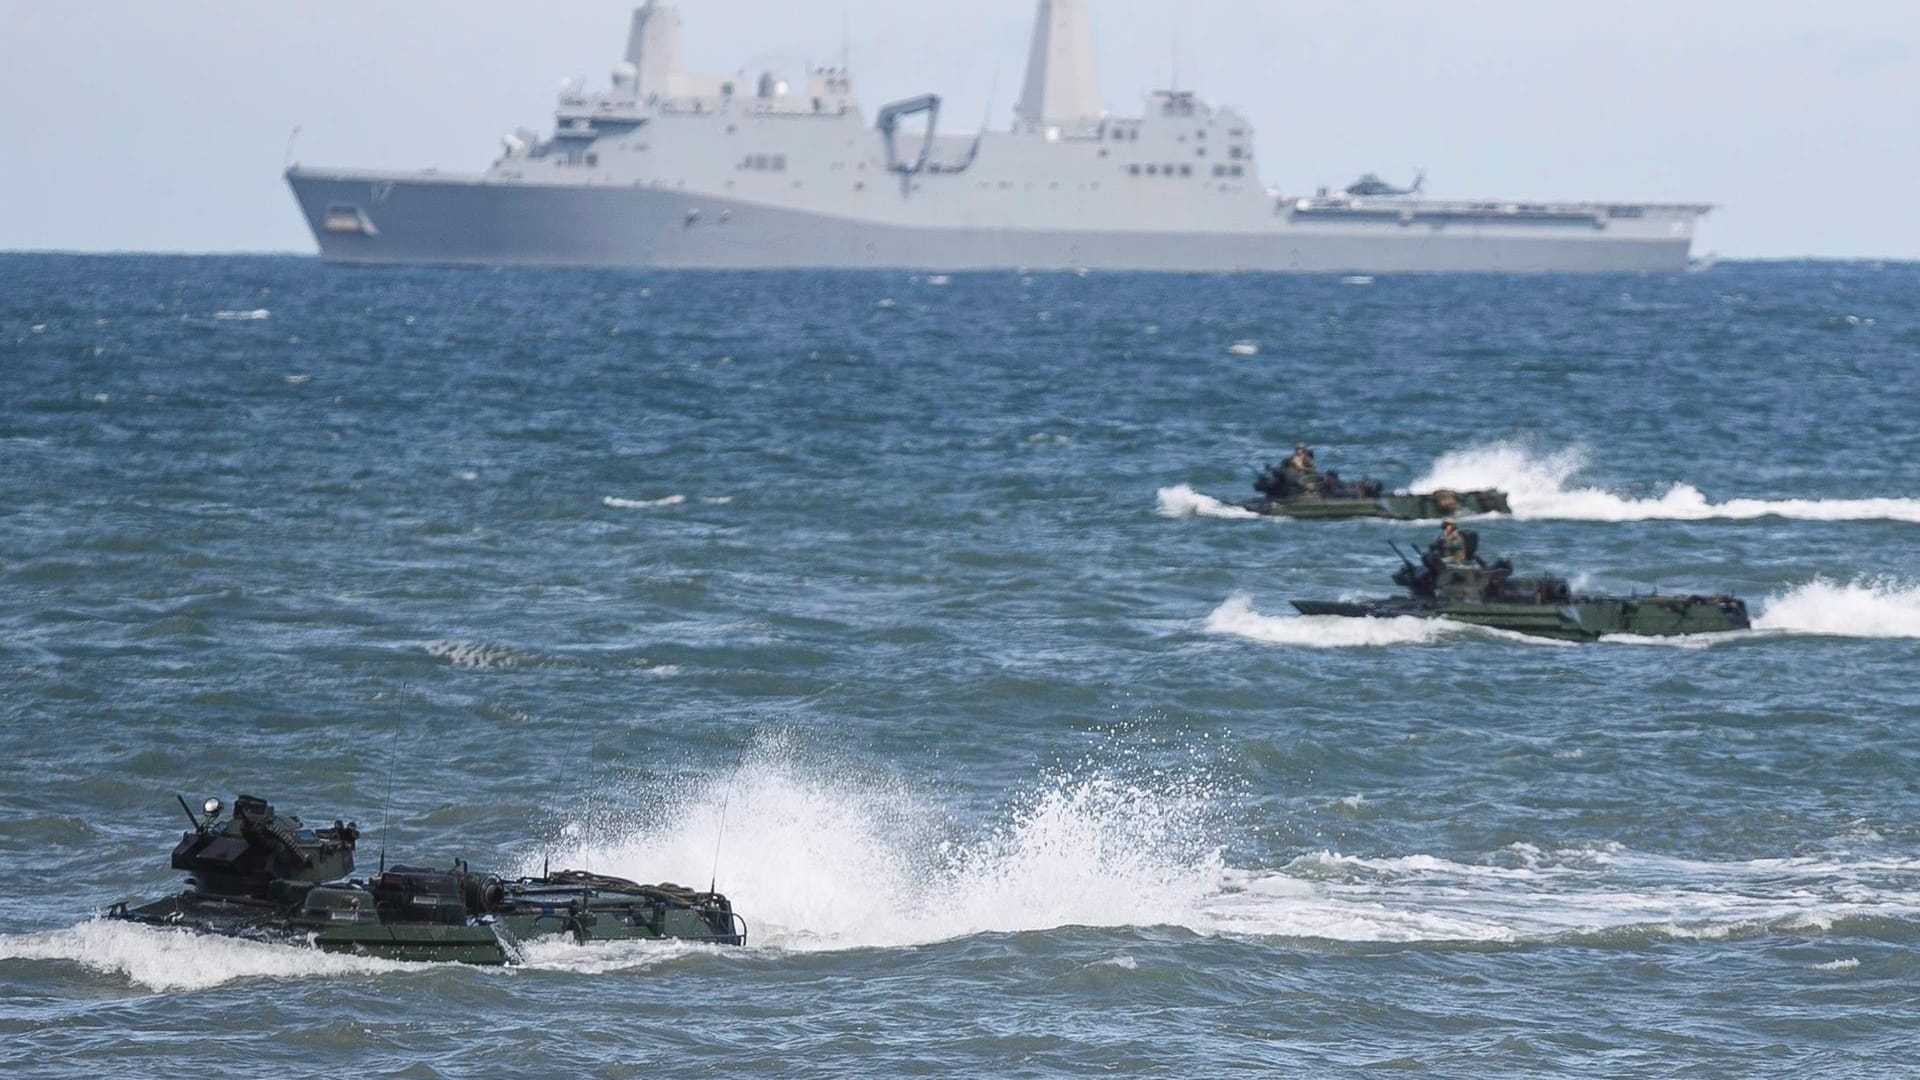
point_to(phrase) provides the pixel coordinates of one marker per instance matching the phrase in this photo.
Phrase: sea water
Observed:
(921, 618)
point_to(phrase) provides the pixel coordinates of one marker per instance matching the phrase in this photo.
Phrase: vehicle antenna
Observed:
(183, 805)
(726, 801)
(586, 803)
(713, 883)
(386, 807)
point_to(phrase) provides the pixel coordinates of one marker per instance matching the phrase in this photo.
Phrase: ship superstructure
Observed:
(670, 169)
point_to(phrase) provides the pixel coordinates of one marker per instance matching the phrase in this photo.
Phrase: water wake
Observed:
(823, 861)
(1597, 895)
(178, 959)
(1870, 608)
(1540, 487)
(819, 860)
(1181, 501)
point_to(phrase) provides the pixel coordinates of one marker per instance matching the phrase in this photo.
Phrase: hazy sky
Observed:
(163, 124)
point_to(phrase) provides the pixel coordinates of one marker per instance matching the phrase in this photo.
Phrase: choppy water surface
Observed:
(935, 596)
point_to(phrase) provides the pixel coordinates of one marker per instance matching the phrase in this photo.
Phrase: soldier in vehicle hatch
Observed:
(1301, 475)
(1450, 545)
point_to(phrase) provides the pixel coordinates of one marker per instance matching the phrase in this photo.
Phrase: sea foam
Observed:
(1869, 608)
(817, 859)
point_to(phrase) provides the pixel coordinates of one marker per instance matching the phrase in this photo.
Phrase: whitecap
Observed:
(1244, 348)
(616, 503)
(256, 315)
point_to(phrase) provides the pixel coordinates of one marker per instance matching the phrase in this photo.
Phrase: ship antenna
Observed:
(293, 138)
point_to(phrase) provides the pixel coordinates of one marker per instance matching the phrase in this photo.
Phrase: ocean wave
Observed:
(1540, 486)
(614, 502)
(1181, 501)
(255, 315)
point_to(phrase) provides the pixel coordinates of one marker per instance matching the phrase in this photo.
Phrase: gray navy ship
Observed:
(669, 169)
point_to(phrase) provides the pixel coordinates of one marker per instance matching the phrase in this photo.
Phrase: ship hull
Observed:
(429, 219)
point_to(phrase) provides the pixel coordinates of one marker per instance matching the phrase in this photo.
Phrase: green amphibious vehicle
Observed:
(1296, 491)
(262, 876)
(1482, 595)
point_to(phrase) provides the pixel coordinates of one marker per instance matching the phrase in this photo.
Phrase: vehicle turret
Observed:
(245, 853)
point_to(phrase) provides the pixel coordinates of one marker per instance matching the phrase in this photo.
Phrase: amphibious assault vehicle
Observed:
(1286, 491)
(264, 876)
(1490, 595)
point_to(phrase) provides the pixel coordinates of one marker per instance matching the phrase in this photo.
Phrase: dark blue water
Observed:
(927, 592)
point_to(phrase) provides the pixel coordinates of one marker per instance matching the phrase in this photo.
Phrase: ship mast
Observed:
(653, 48)
(1063, 87)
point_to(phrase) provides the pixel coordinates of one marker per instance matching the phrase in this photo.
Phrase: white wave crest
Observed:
(1181, 501)
(179, 959)
(1539, 487)
(256, 315)
(1237, 617)
(614, 502)
(1872, 608)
